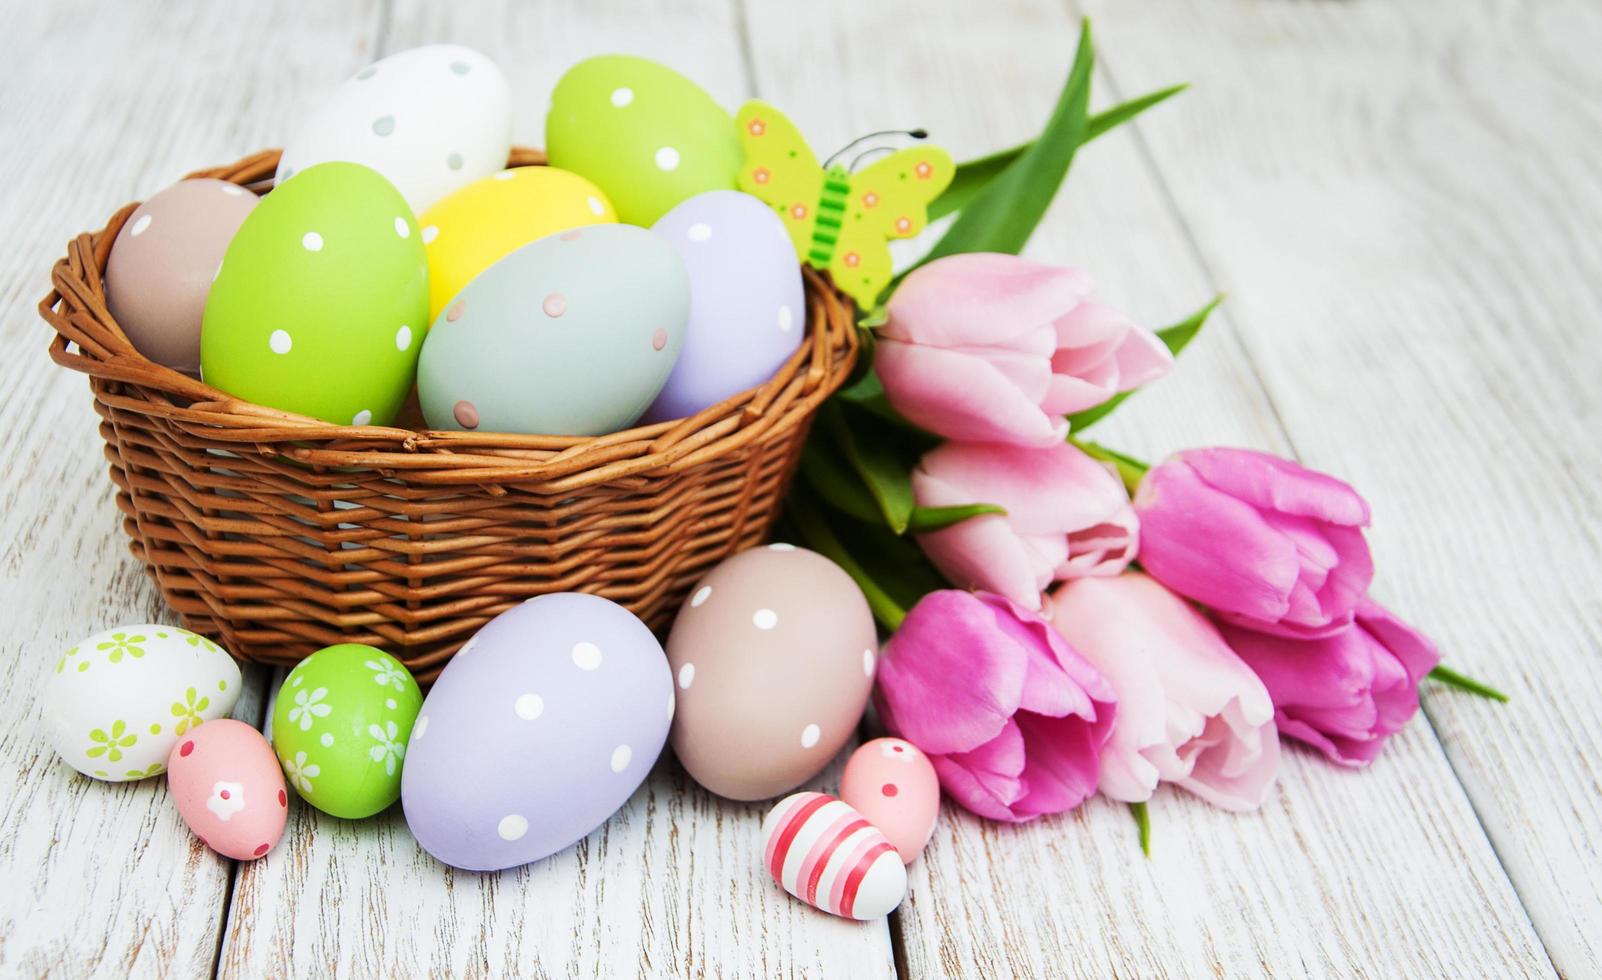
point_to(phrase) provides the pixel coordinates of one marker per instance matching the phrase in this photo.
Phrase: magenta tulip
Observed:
(1012, 718)
(1344, 694)
(1067, 516)
(995, 348)
(1266, 543)
(1190, 712)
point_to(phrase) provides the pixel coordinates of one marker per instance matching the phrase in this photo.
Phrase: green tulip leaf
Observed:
(1003, 214)
(873, 456)
(1463, 682)
(1143, 825)
(1130, 470)
(834, 482)
(802, 512)
(974, 176)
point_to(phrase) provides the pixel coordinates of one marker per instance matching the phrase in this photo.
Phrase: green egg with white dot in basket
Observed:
(644, 134)
(340, 727)
(321, 301)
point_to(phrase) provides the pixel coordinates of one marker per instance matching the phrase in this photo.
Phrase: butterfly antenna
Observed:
(865, 154)
(916, 134)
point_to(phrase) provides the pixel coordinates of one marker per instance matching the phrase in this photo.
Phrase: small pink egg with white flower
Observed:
(894, 786)
(226, 783)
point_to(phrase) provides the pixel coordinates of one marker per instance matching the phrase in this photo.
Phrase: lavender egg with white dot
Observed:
(747, 306)
(536, 732)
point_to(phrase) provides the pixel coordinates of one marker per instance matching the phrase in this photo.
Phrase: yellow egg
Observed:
(490, 218)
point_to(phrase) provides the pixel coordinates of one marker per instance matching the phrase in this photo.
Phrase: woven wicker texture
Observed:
(279, 534)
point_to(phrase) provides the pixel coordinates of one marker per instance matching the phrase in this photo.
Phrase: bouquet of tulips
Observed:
(1064, 618)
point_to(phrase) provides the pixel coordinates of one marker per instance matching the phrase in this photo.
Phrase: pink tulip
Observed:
(1190, 712)
(1012, 718)
(1067, 516)
(995, 348)
(1344, 694)
(1263, 541)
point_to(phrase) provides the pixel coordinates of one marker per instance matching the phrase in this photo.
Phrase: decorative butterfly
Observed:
(839, 220)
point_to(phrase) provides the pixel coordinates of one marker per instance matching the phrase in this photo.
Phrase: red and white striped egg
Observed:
(824, 853)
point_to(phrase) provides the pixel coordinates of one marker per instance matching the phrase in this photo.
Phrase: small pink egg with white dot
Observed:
(894, 786)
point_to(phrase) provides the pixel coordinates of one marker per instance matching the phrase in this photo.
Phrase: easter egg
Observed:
(824, 853)
(321, 301)
(646, 135)
(571, 335)
(340, 726)
(160, 269)
(475, 227)
(747, 310)
(893, 784)
(773, 654)
(118, 701)
(430, 119)
(536, 731)
(225, 781)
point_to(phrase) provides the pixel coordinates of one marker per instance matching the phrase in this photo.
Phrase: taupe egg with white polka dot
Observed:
(163, 263)
(430, 119)
(773, 659)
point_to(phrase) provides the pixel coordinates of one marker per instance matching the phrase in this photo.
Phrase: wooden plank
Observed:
(1410, 227)
(97, 110)
(670, 886)
(1385, 873)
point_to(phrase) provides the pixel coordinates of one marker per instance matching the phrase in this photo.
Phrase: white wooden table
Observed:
(1400, 199)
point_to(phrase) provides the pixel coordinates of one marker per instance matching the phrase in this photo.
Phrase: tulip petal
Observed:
(1062, 767)
(1050, 490)
(1189, 710)
(1238, 775)
(959, 396)
(986, 779)
(984, 553)
(1142, 358)
(1269, 482)
(981, 298)
(1100, 353)
(950, 682)
(1186, 529)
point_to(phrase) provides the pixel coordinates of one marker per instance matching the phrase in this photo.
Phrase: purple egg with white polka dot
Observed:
(537, 731)
(747, 308)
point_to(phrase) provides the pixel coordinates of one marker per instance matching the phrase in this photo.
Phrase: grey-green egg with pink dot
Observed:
(572, 335)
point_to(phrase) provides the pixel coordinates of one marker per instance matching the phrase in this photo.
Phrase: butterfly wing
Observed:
(780, 169)
(889, 199)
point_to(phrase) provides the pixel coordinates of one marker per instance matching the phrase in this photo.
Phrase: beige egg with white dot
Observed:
(768, 653)
(164, 261)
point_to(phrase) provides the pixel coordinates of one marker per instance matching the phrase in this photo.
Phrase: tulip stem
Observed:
(1130, 469)
(1143, 823)
(1462, 682)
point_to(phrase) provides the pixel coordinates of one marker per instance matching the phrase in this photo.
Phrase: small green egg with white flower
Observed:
(340, 727)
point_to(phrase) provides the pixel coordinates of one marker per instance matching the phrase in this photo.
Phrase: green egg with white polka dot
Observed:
(321, 302)
(340, 728)
(645, 135)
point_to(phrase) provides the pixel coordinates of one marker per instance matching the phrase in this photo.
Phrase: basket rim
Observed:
(89, 340)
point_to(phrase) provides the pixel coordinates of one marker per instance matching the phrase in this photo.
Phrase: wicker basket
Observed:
(279, 534)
